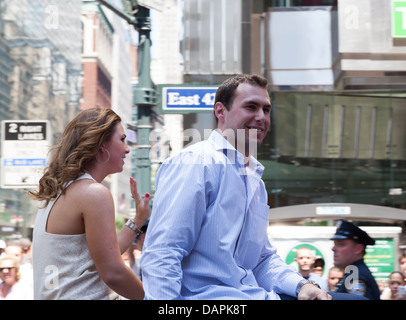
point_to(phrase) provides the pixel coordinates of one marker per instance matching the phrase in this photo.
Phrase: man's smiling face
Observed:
(250, 111)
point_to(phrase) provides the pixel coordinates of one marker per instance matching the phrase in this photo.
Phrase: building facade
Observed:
(336, 73)
(97, 57)
(337, 80)
(124, 57)
(40, 78)
(56, 60)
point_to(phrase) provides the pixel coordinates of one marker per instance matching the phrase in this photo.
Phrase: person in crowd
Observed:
(76, 250)
(10, 286)
(21, 250)
(396, 287)
(15, 250)
(334, 276)
(26, 246)
(402, 263)
(3, 246)
(350, 243)
(207, 234)
(305, 260)
(318, 266)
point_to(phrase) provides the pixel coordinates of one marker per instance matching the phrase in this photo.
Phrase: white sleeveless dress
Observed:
(62, 264)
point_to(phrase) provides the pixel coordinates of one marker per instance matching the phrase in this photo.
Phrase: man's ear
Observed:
(359, 248)
(220, 111)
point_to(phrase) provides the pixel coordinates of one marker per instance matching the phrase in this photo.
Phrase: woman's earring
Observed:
(103, 162)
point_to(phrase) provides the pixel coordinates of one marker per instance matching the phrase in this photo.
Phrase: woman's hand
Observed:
(142, 209)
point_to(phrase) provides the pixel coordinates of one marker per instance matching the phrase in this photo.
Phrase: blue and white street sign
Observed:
(24, 162)
(24, 151)
(192, 99)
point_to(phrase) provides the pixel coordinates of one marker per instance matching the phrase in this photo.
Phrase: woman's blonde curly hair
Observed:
(78, 146)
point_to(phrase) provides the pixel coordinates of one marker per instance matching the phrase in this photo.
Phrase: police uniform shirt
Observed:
(363, 284)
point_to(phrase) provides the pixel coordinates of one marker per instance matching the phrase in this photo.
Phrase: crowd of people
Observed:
(311, 267)
(207, 229)
(16, 274)
(350, 273)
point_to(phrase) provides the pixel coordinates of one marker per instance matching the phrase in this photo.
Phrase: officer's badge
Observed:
(357, 287)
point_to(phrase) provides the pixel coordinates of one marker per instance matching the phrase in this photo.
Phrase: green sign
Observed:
(380, 259)
(399, 19)
(290, 258)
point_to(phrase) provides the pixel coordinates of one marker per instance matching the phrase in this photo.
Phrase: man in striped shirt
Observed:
(207, 235)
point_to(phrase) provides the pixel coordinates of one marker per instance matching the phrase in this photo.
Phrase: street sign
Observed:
(24, 149)
(398, 19)
(188, 99)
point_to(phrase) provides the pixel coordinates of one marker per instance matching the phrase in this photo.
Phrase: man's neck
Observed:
(243, 147)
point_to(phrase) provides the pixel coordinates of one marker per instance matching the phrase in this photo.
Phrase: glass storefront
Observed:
(342, 147)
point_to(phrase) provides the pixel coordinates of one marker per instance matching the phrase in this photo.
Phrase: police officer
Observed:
(349, 250)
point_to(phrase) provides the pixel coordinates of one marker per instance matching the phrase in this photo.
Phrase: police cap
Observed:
(347, 230)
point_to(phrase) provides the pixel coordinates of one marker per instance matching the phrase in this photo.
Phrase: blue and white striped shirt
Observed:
(207, 235)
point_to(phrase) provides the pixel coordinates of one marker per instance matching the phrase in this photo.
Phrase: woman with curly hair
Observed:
(76, 250)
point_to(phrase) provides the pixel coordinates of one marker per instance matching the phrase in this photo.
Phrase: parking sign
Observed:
(24, 149)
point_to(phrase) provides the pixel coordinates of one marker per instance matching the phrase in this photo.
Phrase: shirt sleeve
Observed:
(178, 210)
(272, 273)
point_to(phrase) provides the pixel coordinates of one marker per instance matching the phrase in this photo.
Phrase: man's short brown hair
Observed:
(226, 91)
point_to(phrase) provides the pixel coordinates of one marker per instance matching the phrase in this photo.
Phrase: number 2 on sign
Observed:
(13, 128)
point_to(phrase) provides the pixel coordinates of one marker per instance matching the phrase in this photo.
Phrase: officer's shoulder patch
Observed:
(357, 287)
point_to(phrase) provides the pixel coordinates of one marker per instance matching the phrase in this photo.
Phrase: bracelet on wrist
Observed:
(130, 224)
(303, 282)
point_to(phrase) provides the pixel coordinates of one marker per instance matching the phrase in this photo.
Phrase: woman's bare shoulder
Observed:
(89, 191)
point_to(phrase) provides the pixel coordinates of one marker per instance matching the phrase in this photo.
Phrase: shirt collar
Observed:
(221, 143)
